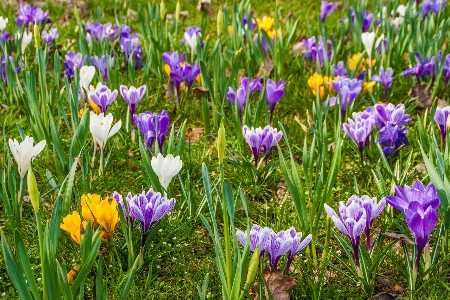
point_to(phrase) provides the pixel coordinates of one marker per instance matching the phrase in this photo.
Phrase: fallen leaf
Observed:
(383, 296)
(419, 169)
(397, 236)
(205, 5)
(199, 90)
(442, 103)
(279, 284)
(4, 106)
(389, 284)
(266, 69)
(303, 126)
(193, 134)
(299, 48)
(423, 95)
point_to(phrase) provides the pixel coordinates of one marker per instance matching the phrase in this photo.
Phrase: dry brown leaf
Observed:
(266, 69)
(389, 284)
(4, 106)
(397, 236)
(299, 48)
(193, 134)
(303, 126)
(199, 90)
(423, 95)
(205, 5)
(279, 284)
(442, 103)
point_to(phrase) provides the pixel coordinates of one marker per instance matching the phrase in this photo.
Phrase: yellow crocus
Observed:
(315, 82)
(265, 23)
(72, 225)
(368, 86)
(89, 204)
(353, 62)
(167, 69)
(107, 215)
(271, 33)
(95, 107)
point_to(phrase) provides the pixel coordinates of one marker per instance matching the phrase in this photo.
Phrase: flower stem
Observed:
(100, 170)
(19, 201)
(41, 252)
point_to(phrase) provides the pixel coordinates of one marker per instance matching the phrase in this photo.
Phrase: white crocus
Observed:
(25, 152)
(166, 168)
(26, 39)
(3, 23)
(86, 75)
(368, 39)
(191, 40)
(100, 127)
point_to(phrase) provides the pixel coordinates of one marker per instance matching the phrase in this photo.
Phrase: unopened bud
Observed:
(219, 22)
(253, 266)
(221, 142)
(37, 36)
(75, 12)
(177, 11)
(33, 190)
(162, 10)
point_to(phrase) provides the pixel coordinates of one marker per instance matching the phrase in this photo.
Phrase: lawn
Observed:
(239, 150)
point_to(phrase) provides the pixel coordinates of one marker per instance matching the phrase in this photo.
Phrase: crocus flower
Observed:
(89, 204)
(367, 18)
(72, 225)
(103, 97)
(73, 61)
(348, 89)
(166, 168)
(423, 67)
(389, 113)
(368, 40)
(259, 138)
(100, 127)
(280, 244)
(326, 8)
(107, 215)
(153, 126)
(373, 210)
(103, 65)
(419, 204)
(258, 235)
(3, 72)
(441, 118)
(26, 39)
(190, 37)
(132, 96)
(31, 15)
(97, 30)
(317, 50)
(3, 23)
(386, 79)
(265, 23)
(148, 208)
(383, 45)
(359, 129)
(126, 210)
(132, 49)
(274, 92)
(297, 245)
(339, 69)
(173, 59)
(241, 93)
(446, 69)
(4, 37)
(245, 22)
(86, 75)
(351, 221)
(50, 36)
(432, 6)
(25, 152)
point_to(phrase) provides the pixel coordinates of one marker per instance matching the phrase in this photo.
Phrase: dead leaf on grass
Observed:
(193, 134)
(389, 284)
(266, 69)
(279, 284)
(205, 5)
(303, 126)
(199, 91)
(383, 296)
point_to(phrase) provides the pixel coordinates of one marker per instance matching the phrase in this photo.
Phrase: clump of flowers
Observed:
(242, 92)
(50, 36)
(316, 50)
(276, 245)
(359, 129)
(73, 61)
(356, 62)
(31, 15)
(347, 89)
(258, 138)
(153, 127)
(103, 64)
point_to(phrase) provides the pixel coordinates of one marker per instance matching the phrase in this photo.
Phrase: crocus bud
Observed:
(75, 12)
(33, 190)
(253, 266)
(221, 142)
(37, 36)
(219, 22)
(177, 11)
(162, 10)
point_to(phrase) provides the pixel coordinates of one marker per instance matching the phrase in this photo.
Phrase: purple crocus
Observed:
(103, 65)
(359, 129)
(373, 210)
(173, 59)
(432, 6)
(98, 31)
(4, 37)
(274, 92)
(317, 50)
(148, 208)
(280, 244)
(297, 245)
(119, 200)
(73, 61)
(3, 72)
(351, 221)
(441, 118)
(339, 69)
(386, 79)
(133, 50)
(191, 35)
(392, 137)
(367, 18)
(422, 68)
(383, 47)
(446, 69)
(419, 204)
(326, 8)
(49, 37)
(347, 89)
(258, 138)
(31, 15)
(185, 72)
(245, 22)
(103, 97)
(241, 94)
(258, 235)
(132, 96)
(389, 113)
(153, 127)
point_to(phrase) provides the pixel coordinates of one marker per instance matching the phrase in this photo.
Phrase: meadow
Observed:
(224, 150)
